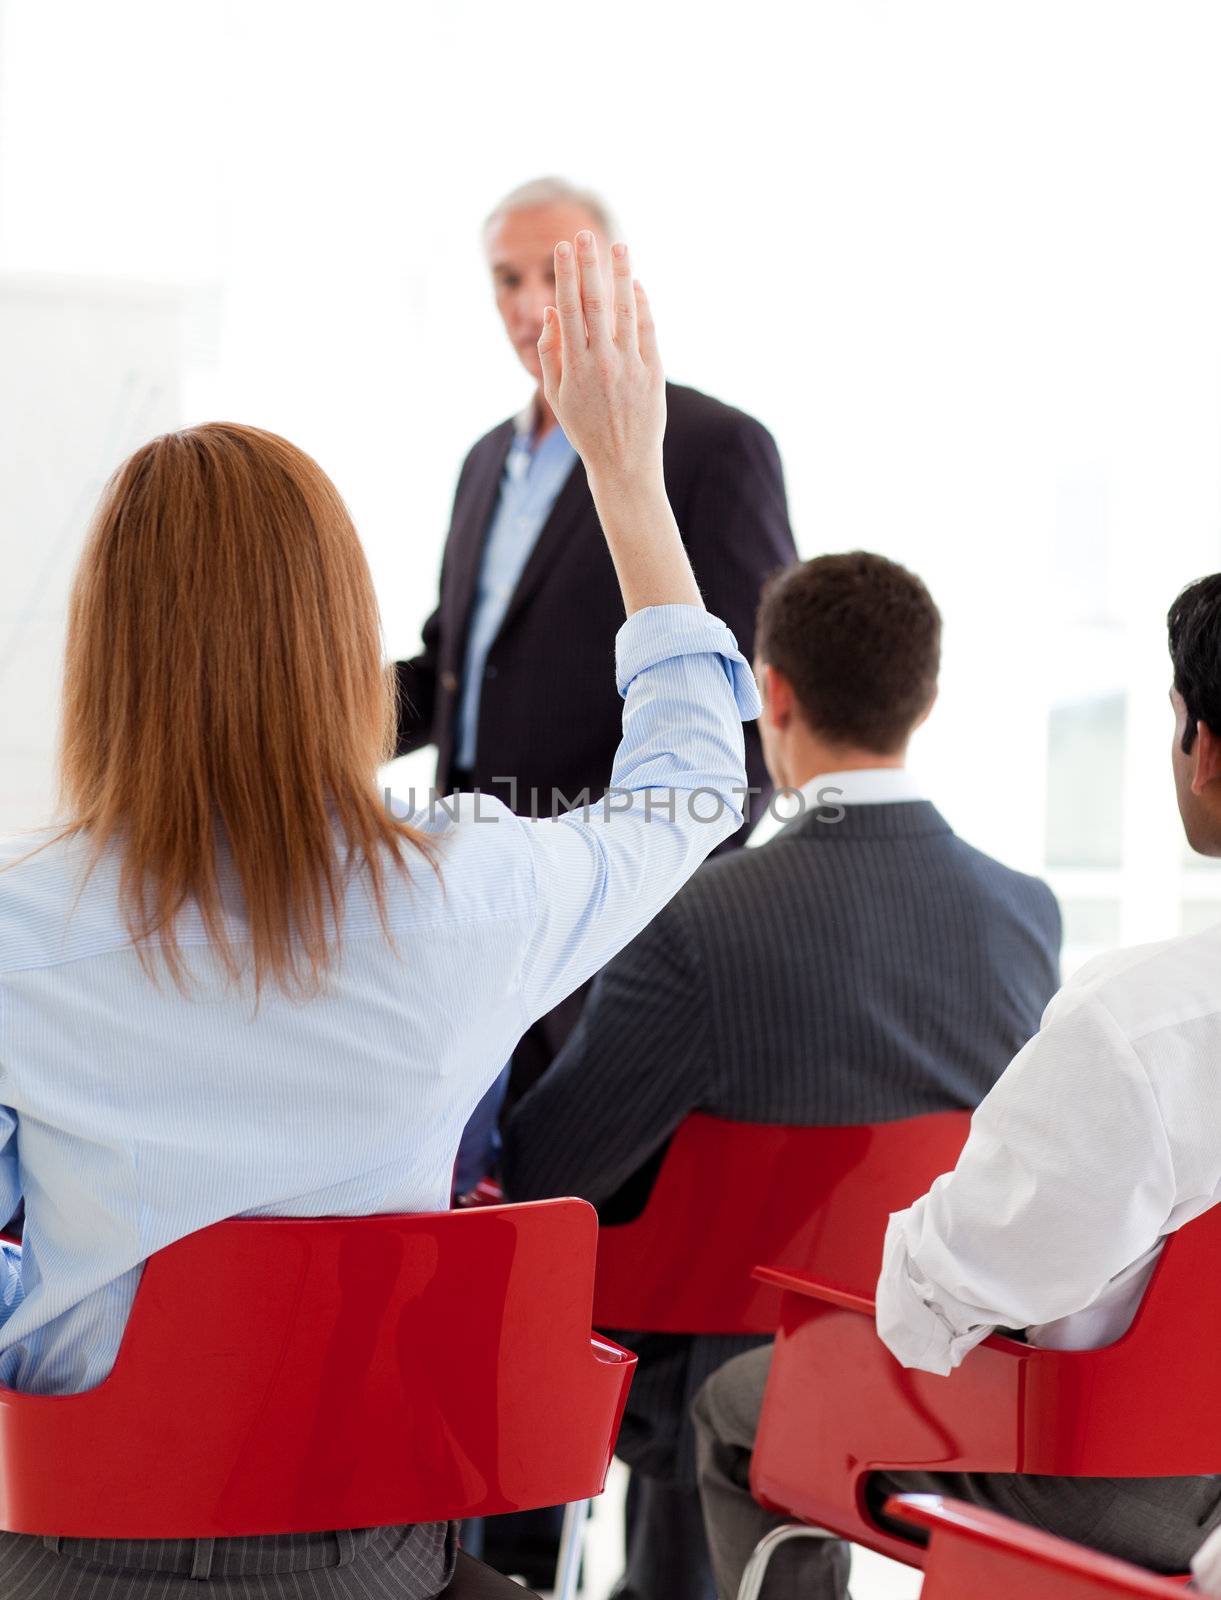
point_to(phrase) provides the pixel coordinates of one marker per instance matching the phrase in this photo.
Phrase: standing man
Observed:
(512, 683)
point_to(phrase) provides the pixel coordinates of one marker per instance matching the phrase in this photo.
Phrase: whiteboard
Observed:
(90, 370)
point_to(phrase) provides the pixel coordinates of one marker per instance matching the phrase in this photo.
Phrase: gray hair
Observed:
(554, 192)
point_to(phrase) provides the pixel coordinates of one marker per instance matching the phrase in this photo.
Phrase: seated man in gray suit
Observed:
(863, 965)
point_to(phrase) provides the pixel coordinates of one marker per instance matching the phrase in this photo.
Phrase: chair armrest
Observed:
(610, 1353)
(996, 1554)
(802, 1283)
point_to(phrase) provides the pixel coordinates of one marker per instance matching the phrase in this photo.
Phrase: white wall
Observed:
(89, 371)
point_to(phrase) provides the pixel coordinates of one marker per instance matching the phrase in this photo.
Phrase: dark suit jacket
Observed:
(549, 712)
(861, 970)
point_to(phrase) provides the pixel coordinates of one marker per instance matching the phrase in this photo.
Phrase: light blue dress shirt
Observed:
(132, 1114)
(533, 476)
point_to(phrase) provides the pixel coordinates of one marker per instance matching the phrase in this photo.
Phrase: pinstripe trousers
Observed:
(394, 1563)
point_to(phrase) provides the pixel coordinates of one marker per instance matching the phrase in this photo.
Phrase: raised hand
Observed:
(602, 374)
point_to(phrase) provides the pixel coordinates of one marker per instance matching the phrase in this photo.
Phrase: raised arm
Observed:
(603, 378)
(679, 775)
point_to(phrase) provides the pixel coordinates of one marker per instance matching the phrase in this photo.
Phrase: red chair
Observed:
(731, 1194)
(973, 1553)
(294, 1375)
(839, 1407)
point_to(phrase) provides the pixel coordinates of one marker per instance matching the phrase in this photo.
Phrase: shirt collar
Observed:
(524, 422)
(864, 786)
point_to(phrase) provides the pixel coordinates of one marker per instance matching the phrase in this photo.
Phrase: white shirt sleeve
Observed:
(602, 871)
(1066, 1180)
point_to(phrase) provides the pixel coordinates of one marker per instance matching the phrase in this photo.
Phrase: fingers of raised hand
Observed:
(550, 352)
(646, 334)
(568, 300)
(623, 297)
(593, 290)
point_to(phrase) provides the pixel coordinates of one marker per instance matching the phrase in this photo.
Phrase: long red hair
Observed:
(225, 686)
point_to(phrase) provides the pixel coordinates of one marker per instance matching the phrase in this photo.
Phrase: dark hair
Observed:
(859, 639)
(1194, 622)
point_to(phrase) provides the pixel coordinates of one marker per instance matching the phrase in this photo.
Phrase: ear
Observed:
(1205, 758)
(778, 698)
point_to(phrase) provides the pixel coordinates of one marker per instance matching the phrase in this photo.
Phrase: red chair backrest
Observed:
(730, 1195)
(839, 1407)
(974, 1553)
(290, 1375)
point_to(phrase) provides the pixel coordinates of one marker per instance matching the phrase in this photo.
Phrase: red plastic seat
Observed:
(974, 1553)
(731, 1194)
(838, 1405)
(291, 1375)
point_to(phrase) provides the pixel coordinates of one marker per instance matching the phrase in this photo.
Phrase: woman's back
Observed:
(143, 1113)
(135, 1109)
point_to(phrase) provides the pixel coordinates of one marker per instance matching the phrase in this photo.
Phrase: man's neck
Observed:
(544, 417)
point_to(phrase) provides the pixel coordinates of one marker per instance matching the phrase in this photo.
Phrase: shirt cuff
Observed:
(910, 1323)
(661, 633)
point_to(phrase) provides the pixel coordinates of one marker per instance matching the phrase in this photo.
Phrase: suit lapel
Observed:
(571, 505)
(471, 530)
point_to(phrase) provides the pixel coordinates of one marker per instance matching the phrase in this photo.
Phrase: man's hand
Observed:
(602, 374)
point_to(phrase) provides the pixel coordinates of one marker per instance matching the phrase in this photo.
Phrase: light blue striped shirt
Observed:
(533, 476)
(131, 1114)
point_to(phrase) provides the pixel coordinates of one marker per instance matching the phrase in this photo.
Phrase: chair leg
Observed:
(756, 1568)
(572, 1540)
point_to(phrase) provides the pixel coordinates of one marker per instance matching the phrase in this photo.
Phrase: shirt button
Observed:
(489, 671)
(449, 682)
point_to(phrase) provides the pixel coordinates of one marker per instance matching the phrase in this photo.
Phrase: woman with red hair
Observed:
(232, 981)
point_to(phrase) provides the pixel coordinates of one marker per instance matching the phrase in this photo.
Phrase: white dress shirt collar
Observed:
(864, 786)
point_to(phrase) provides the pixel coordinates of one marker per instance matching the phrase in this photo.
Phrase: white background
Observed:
(963, 259)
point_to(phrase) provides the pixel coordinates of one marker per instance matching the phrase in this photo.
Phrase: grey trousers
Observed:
(1158, 1523)
(403, 1563)
(667, 1553)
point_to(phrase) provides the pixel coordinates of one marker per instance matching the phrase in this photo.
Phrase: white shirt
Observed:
(132, 1114)
(1100, 1138)
(862, 786)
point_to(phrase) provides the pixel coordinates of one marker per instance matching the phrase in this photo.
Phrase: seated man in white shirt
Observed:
(1101, 1137)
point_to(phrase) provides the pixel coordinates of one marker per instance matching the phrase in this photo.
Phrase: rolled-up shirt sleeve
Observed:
(1065, 1182)
(604, 869)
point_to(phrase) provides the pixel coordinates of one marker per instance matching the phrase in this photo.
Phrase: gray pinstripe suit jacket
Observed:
(847, 971)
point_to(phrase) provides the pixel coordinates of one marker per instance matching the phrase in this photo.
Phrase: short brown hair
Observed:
(859, 639)
(225, 688)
